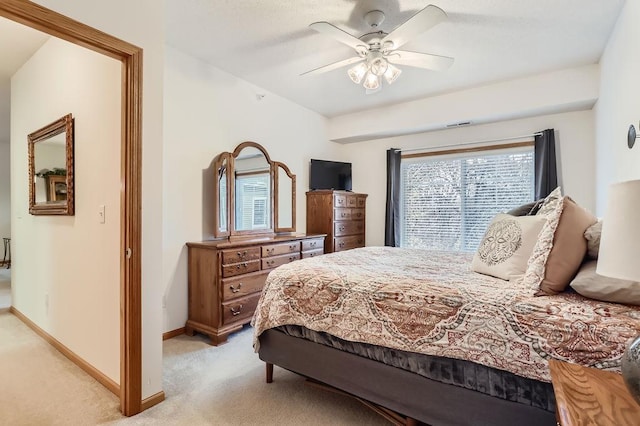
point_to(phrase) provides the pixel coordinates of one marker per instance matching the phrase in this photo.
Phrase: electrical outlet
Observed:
(101, 213)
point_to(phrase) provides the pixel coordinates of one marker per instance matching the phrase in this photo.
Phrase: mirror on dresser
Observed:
(254, 195)
(255, 232)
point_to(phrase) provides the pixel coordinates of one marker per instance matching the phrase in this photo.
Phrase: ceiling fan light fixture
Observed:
(356, 73)
(392, 73)
(371, 81)
(379, 66)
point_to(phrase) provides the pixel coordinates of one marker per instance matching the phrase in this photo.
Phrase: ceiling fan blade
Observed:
(420, 60)
(334, 66)
(427, 18)
(339, 35)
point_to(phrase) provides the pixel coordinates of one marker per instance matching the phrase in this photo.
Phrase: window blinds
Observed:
(448, 200)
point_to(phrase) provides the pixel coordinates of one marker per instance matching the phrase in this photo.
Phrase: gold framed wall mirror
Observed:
(51, 179)
(254, 195)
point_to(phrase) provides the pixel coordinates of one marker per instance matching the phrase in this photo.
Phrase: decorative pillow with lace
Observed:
(507, 245)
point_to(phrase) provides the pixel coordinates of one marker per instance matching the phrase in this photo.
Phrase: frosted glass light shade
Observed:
(379, 66)
(392, 73)
(371, 81)
(356, 73)
(620, 238)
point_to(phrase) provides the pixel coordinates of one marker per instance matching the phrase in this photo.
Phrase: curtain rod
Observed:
(471, 143)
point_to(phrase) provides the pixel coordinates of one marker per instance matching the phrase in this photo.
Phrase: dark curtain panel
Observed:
(392, 218)
(545, 163)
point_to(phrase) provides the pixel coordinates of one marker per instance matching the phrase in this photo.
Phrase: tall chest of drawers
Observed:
(226, 279)
(339, 214)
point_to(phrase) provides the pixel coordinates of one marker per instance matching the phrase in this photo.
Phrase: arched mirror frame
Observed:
(277, 197)
(229, 195)
(63, 125)
(232, 192)
(222, 166)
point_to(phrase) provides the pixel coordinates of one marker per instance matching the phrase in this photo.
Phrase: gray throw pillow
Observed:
(528, 209)
(594, 286)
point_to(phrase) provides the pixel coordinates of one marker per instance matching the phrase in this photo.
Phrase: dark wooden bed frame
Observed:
(390, 390)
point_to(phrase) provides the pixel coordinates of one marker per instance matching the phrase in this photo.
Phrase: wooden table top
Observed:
(588, 396)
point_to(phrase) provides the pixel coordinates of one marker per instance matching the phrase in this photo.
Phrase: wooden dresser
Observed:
(338, 214)
(226, 278)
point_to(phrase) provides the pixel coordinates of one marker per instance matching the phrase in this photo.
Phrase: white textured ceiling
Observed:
(268, 43)
(17, 44)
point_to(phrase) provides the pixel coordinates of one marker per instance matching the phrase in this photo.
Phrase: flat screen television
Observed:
(330, 175)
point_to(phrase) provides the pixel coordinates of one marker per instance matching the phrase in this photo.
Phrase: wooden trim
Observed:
(152, 400)
(68, 353)
(55, 24)
(173, 333)
(473, 149)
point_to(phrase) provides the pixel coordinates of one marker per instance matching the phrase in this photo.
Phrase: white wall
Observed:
(619, 105)
(573, 89)
(208, 111)
(574, 148)
(66, 275)
(140, 22)
(5, 190)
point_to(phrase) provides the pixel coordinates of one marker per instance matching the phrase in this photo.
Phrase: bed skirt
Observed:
(404, 392)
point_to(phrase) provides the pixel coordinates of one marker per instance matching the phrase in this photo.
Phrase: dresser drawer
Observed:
(275, 261)
(341, 214)
(312, 244)
(339, 200)
(312, 253)
(361, 201)
(278, 249)
(346, 243)
(348, 228)
(239, 309)
(232, 288)
(357, 214)
(352, 201)
(240, 255)
(240, 268)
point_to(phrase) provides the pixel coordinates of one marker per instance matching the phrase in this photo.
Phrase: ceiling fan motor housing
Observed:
(374, 18)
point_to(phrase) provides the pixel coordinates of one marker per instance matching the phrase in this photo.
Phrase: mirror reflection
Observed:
(49, 158)
(222, 196)
(285, 199)
(252, 183)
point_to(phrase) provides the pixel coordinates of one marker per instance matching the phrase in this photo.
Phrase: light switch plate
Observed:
(101, 213)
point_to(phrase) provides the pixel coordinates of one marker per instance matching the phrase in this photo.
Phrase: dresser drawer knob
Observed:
(341, 228)
(292, 258)
(242, 265)
(270, 250)
(343, 214)
(341, 244)
(236, 311)
(313, 243)
(270, 262)
(311, 254)
(242, 254)
(292, 247)
(235, 289)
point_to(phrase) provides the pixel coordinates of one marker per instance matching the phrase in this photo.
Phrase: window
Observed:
(448, 200)
(252, 198)
(259, 212)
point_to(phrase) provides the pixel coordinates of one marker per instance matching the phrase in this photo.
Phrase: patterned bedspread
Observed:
(432, 303)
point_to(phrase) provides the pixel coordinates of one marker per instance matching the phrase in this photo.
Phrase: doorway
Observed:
(55, 24)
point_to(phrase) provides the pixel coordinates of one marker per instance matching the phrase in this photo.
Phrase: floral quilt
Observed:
(432, 303)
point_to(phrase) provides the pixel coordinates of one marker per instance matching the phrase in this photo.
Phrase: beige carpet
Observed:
(204, 385)
(5, 287)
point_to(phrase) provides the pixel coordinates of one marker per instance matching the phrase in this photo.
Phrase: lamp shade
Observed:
(620, 238)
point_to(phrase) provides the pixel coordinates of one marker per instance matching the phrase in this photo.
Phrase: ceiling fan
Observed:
(377, 51)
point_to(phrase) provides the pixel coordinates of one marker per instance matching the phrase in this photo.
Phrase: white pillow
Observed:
(506, 246)
(592, 234)
(594, 286)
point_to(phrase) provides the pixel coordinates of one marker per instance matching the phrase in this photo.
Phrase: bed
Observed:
(419, 333)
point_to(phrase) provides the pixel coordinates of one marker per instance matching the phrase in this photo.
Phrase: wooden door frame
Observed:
(55, 24)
